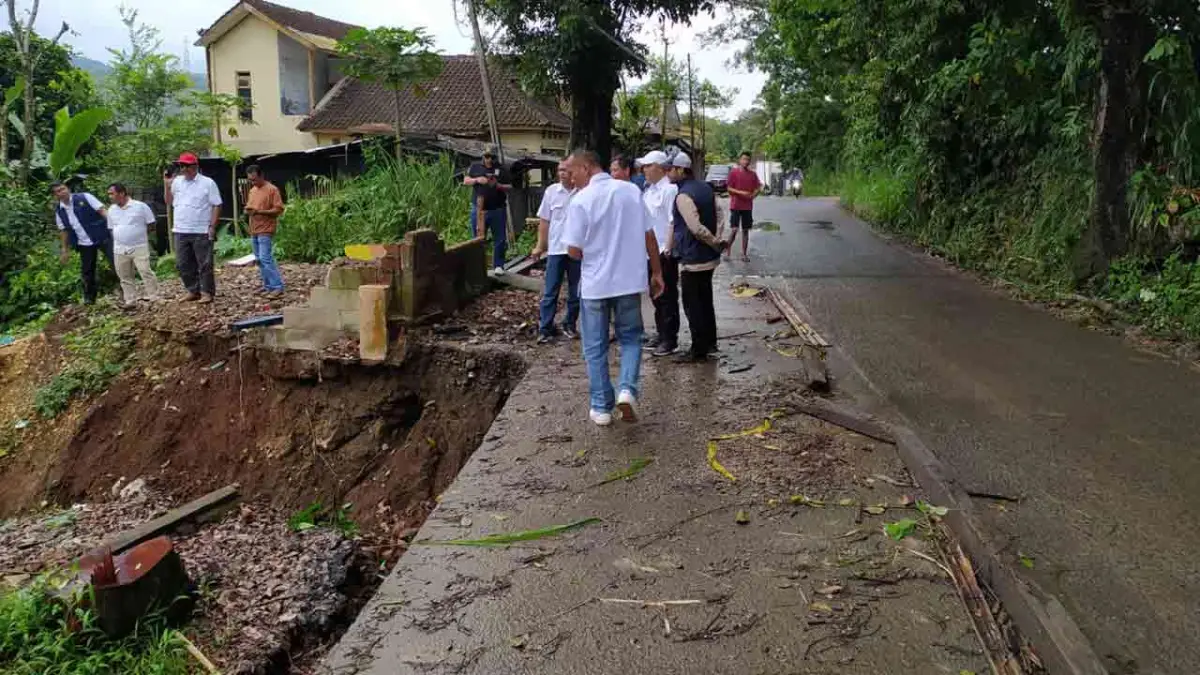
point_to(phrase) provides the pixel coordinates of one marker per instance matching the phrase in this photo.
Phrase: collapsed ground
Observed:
(166, 398)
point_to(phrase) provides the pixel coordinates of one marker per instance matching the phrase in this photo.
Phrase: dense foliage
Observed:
(391, 198)
(1039, 141)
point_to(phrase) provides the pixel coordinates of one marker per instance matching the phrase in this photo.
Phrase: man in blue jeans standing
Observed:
(490, 195)
(609, 230)
(552, 218)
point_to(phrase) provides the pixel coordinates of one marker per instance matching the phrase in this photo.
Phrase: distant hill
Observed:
(99, 71)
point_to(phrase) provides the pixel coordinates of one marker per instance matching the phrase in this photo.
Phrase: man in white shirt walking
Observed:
(659, 197)
(552, 219)
(196, 203)
(128, 220)
(609, 230)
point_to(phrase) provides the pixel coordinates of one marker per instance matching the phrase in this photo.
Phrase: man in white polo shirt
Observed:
(659, 196)
(609, 230)
(128, 220)
(552, 219)
(196, 204)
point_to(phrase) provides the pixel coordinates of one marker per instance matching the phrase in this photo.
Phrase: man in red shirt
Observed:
(743, 187)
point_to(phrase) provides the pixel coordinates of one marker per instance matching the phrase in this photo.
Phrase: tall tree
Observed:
(578, 50)
(30, 52)
(397, 58)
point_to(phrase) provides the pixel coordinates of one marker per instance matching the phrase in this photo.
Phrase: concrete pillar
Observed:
(372, 323)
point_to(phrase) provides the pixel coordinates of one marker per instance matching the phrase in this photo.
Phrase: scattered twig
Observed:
(994, 496)
(982, 620)
(933, 560)
(661, 604)
(192, 649)
(736, 335)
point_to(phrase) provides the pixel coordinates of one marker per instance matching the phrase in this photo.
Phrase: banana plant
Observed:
(70, 133)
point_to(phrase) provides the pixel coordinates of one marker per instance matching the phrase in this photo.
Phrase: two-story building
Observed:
(283, 64)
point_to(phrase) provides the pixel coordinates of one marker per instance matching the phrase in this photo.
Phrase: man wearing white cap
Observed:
(609, 231)
(698, 244)
(660, 202)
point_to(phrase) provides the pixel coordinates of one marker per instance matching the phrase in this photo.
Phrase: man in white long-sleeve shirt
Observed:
(659, 197)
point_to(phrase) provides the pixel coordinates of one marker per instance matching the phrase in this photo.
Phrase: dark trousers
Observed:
(87, 267)
(194, 260)
(666, 306)
(697, 291)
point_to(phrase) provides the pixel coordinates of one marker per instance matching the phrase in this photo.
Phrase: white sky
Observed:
(96, 26)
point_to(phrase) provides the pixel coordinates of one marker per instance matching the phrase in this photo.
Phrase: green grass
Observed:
(1025, 235)
(378, 207)
(98, 352)
(41, 636)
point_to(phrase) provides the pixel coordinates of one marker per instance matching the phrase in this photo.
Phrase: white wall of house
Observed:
(254, 46)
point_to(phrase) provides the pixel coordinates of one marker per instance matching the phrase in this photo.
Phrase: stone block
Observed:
(348, 320)
(337, 299)
(373, 325)
(350, 277)
(310, 318)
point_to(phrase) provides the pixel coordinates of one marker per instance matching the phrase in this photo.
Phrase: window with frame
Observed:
(245, 97)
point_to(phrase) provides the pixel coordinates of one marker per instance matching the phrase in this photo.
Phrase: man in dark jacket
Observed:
(83, 225)
(698, 245)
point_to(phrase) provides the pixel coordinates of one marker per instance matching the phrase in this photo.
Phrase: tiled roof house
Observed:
(283, 62)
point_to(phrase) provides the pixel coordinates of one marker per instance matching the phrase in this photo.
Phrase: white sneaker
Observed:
(625, 405)
(499, 271)
(601, 418)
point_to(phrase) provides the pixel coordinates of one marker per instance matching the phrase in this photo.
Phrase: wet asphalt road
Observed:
(1100, 439)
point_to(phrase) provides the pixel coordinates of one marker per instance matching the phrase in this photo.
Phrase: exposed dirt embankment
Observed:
(386, 439)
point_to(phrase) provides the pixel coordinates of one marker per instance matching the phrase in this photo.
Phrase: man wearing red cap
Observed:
(196, 203)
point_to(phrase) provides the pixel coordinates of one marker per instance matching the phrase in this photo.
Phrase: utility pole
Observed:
(691, 105)
(487, 86)
(666, 83)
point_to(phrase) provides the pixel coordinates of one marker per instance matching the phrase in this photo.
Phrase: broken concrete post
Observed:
(372, 323)
(149, 577)
(420, 256)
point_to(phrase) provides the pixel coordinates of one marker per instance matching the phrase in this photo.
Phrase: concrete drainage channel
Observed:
(336, 464)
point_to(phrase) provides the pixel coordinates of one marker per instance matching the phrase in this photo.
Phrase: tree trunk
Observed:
(1124, 37)
(591, 118)
(27, 146)
(4, 140)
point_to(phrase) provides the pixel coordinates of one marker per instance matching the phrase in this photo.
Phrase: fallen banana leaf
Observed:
(746, 291)
(753, 431)
(635, 467)
(806, 501)
(514, 537)
(716, 466)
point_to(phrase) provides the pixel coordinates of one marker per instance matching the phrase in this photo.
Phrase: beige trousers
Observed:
(129, 259)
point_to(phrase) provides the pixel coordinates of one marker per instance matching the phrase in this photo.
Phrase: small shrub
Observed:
(98, 354)
(230, 247)
(43, 634)
(41, 285)
(165, 267)
(316, 515)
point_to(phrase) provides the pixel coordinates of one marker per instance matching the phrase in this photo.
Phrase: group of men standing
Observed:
(119, 233)
(611, 241)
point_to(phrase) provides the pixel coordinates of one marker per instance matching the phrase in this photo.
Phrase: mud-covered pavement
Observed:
(1096, 436)
(784, 570)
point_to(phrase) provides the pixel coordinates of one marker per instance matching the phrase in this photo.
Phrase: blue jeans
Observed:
(263, 245)
(626, 313)
(497, 222)
(557, 267)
